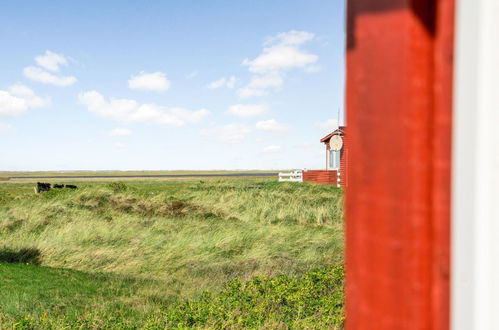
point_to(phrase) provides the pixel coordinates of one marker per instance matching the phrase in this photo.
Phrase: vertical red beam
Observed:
(441, 161)
(399, 107)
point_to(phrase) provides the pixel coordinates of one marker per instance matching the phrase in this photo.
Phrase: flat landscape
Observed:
(32, 176)
(197, 252)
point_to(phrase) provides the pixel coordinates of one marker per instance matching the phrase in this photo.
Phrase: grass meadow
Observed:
(216, 253)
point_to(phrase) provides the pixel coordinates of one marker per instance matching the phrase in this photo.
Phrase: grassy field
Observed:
(6, 175)
(179, 253)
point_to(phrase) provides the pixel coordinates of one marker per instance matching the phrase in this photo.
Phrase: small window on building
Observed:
(334, 160)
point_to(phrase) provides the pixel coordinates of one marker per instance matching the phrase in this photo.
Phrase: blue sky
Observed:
(165, 85)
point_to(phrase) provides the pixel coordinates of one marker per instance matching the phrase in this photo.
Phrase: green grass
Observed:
(149, 249)
(31, 288)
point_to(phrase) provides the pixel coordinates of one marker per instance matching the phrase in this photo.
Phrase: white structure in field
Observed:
(295, 176)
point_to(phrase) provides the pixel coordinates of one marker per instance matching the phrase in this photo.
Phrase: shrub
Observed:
(315, 299)
(118, 187)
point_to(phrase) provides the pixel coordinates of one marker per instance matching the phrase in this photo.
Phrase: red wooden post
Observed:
(399, 108)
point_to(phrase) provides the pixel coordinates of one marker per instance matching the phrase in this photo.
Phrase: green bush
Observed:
(118, 187)
(313, 301)
(316, 299)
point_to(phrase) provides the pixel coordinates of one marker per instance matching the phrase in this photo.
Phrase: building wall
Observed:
(321, 176)
(343, 177)
(344, 161)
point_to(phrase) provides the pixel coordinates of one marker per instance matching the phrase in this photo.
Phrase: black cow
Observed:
(40, 186)
(58, 186)
(70, 186)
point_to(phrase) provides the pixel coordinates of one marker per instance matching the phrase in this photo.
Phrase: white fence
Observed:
(296, 176)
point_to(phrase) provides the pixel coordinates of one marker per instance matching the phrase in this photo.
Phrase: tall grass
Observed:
(177, 239)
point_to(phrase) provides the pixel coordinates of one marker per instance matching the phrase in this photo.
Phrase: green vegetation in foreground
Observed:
(173, 253)
(72, 299)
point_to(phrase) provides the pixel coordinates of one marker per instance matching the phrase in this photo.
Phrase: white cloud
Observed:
(260, 84)
(189, 116)
(156, 81)
(223, 82)
(51, 61)
(216, 84)
(281, 53)
(271, 80)
(36, 74)
(18, 98)
(129, 111)
(11, 105)
(231, 133)
(328, 125)
(290, 38)
(32, 100)
(248, 110)
(119, 145)
(120, 132)
(272, 149)
(247, 92)
(272, 125)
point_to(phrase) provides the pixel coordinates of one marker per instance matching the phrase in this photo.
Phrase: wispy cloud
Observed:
(156, 81)
(260, 85)
(37, 74)
(18, 98)
(231, 133)
(272, 125)
(281, 53)
(49, 61)
(229, 82)
(248, 110)
(327, 125)
(120, 132)
(130, 111)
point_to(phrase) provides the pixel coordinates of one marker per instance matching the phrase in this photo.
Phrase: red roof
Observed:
(340, 130)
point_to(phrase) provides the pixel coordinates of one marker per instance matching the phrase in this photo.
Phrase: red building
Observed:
(336, 161)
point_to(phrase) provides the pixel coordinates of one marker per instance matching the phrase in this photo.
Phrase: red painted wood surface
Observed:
(321, 177)
(344, 161)
(399, 110)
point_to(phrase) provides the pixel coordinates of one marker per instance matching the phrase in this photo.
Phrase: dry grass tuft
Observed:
(183, 237)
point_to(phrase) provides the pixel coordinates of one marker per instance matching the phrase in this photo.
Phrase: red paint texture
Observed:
(399, 111)
(344, 160)
(321, 176)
